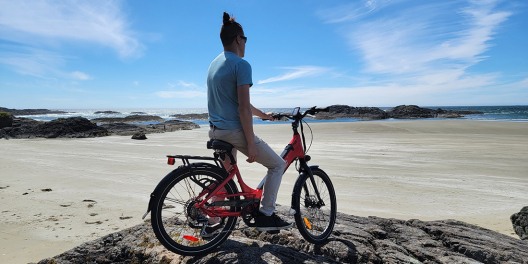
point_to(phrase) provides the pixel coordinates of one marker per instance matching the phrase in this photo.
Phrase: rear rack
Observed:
(186, 158)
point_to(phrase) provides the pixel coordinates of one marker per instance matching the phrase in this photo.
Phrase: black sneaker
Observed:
(271, 223)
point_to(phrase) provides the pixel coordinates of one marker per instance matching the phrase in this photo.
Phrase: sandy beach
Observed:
(56, 194)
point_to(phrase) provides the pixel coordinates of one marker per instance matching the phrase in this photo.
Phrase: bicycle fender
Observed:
(175, 173)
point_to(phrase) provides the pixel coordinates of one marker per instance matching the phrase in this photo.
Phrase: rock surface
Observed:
(139, 136)
(399, 112)
(123, 129)
(355, 240)
(107, 112)
(6, 119)
(79, 127)
(73, 127)
(413, 111)
(128, 119)
(204, 116)
(520, 223)
(344, 111)
(18, 112)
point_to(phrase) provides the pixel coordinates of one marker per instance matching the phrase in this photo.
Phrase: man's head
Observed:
(232, 36)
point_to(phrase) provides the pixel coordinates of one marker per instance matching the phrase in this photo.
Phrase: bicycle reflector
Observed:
(191, 238)
(171, 161)
(307, 223)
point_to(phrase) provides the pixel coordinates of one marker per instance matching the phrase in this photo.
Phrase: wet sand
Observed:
(59, 193)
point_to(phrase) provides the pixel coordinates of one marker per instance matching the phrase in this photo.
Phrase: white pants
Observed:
(266, 156)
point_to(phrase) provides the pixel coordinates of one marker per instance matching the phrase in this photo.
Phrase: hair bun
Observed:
(227, 19)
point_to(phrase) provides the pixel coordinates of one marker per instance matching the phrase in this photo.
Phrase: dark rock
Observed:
(139, 136)
(440, 113)
(30, 111)
(204, 116)
(520, 223)
(171, 125)
(106, 112)
(413, 111)
(138, 113)
(354, 240)
(6, 120)
(128, 119)
(344, 111)
(410, 111)
(73, 127)
(123, 129)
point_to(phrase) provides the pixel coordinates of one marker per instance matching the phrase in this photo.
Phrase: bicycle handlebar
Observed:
(312, 111)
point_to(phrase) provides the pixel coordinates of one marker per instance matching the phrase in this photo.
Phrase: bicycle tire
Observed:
(315, 224)
(171, 218)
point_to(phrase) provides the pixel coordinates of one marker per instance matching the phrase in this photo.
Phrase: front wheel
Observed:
(314, 217)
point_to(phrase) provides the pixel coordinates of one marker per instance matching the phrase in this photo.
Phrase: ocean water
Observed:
(490, 113)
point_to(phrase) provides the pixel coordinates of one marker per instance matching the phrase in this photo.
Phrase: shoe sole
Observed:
(274, 228)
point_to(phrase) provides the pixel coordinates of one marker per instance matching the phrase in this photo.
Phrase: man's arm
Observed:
(246, 118)
(261, 114)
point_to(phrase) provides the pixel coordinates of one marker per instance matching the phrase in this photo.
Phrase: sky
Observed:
(155, 54)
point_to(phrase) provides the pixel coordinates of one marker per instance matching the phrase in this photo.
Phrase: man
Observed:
(231, 117)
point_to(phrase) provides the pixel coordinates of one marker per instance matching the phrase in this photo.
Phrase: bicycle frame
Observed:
(294, 150)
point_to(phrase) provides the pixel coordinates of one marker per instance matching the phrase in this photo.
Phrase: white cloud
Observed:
(42, 22)
(295, 73)
(354, 11)
(189, 85)
(34, 62)
(421, 38)
(80, 75)
(181, 94)
(458, 91)
(136, 83)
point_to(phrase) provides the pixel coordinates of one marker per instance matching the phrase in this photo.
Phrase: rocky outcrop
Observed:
(123, 129)
(107, 112)
(344, 111)
(18, 112)
(79, 127)
(399, 112)
(414, 111)
(204, 116)
(410, 111)
(139, 136)
(520, 223)
(73, 127)
(6, 120)
(355, 240)
(128, 119)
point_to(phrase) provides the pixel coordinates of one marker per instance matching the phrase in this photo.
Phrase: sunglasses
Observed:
(242, 37)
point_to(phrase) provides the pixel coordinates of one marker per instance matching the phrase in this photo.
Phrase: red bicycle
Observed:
(185, 200)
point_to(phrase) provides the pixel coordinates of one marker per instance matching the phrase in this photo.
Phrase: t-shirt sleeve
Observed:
(244, 73)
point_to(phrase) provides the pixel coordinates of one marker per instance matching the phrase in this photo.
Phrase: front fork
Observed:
(304, 169)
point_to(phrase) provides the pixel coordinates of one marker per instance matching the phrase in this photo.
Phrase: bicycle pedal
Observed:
(273, 232)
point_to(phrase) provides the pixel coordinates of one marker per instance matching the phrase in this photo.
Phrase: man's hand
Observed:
(252, 153)
(269, 116)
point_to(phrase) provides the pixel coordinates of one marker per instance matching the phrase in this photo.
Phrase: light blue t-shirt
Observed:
(225, 74)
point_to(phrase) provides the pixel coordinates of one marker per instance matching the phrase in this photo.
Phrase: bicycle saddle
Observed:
(219, 145)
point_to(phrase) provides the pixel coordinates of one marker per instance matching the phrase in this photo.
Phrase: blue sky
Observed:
(155, 54)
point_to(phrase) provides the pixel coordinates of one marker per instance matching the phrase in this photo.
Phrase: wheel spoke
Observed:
(180, 222)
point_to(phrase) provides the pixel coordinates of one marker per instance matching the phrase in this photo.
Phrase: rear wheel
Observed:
(315, 218)
(176, 221)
